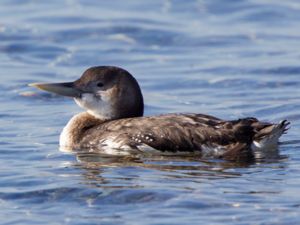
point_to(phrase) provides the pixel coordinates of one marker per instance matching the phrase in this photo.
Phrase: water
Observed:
(226, 58)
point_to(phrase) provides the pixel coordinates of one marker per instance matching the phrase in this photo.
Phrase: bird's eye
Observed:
(100, 84)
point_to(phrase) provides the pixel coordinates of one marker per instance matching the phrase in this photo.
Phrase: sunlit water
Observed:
(227, 58)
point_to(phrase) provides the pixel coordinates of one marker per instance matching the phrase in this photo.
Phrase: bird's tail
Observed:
(266, 139)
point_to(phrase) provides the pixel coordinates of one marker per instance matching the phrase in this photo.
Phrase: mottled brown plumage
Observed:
(175, 133)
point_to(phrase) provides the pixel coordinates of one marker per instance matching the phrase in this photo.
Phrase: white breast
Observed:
(66, 139)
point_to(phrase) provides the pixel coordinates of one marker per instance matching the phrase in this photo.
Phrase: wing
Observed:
(171, 132)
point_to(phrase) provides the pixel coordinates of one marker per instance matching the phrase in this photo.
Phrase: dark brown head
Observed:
(106, 92)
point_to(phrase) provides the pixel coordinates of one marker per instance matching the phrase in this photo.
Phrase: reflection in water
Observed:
(172, 167)
(173, 182)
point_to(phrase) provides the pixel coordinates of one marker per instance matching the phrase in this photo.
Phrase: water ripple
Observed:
(223, 57)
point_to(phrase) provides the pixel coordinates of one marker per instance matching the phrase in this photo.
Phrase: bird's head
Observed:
(106, 92)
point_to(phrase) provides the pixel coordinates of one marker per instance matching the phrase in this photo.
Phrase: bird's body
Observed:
(114, 123)
(172, 133)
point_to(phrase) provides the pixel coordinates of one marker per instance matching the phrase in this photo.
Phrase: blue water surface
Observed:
(227, 58)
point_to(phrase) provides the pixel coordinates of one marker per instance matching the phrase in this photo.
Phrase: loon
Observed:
(114, 122)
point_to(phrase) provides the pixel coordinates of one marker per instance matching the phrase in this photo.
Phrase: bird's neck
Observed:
(74, 131)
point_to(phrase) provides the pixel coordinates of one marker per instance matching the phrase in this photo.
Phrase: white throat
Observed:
(99, 106)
